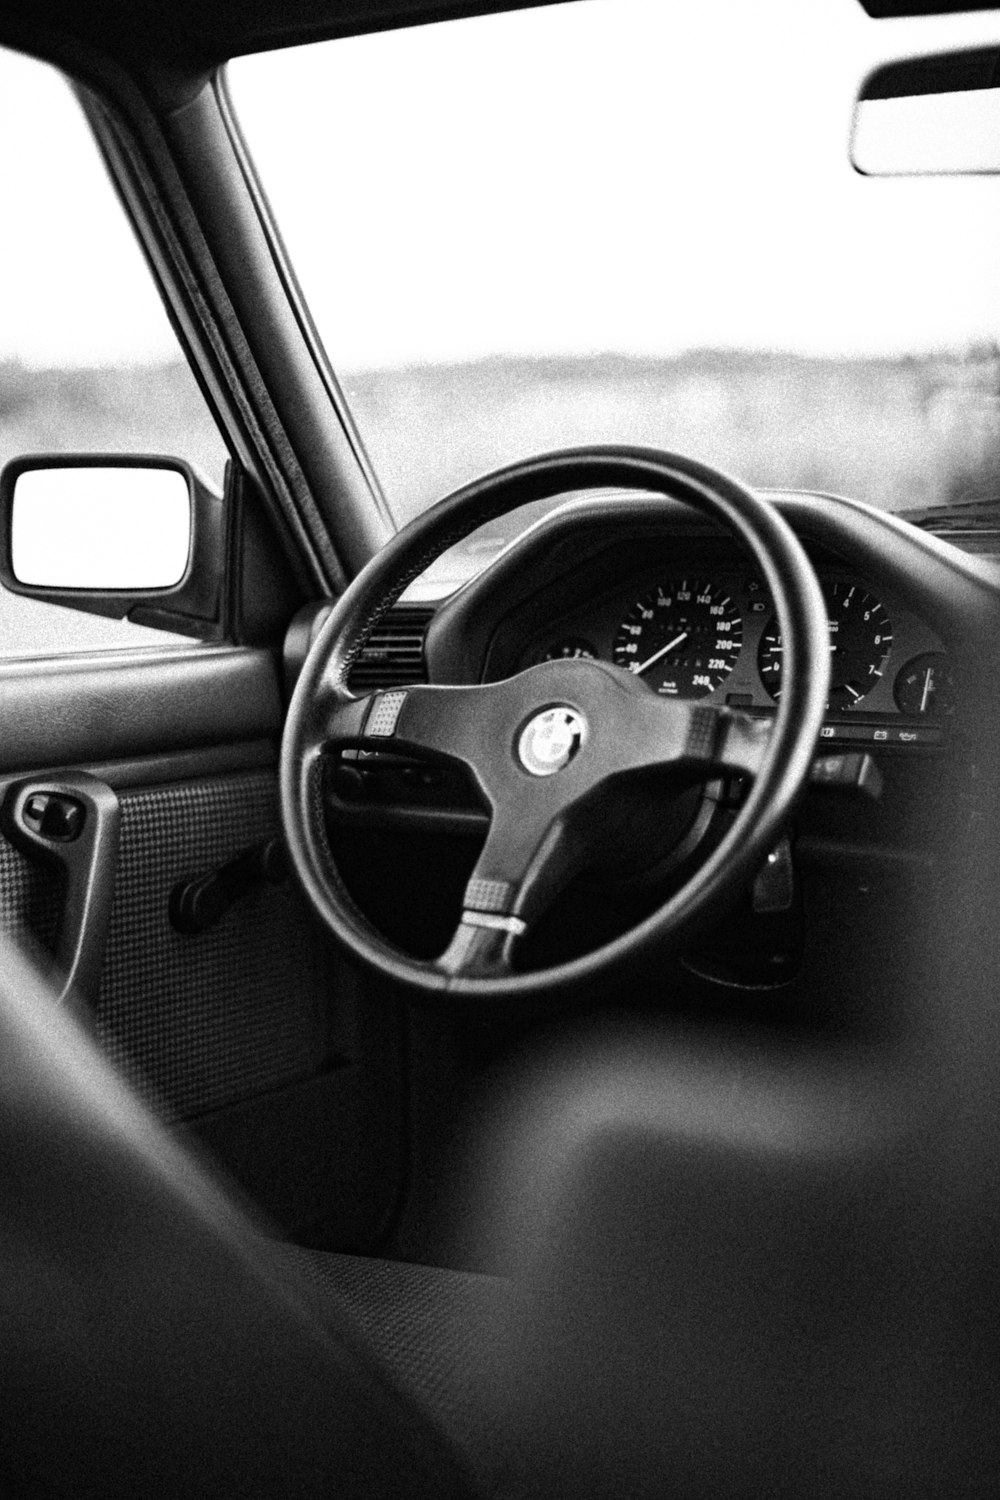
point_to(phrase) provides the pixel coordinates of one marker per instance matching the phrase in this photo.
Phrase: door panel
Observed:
(249, 1034)
(206, 1019)
(67, 711)
(30, 898)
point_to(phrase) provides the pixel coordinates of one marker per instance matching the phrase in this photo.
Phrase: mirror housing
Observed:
(924, 116)
(65, 537)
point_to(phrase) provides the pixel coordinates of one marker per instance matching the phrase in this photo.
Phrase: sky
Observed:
(610, 175)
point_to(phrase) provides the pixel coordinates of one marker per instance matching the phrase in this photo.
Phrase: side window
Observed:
(88, 359)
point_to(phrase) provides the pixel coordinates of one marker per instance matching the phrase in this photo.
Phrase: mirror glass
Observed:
(932, 115)
(97, 527)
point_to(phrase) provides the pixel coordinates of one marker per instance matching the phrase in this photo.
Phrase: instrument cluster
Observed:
(713, 633)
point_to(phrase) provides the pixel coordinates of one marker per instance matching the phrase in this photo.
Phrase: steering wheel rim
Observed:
(779, 764)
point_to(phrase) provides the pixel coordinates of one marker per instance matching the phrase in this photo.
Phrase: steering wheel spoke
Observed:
(743, 742)
(435, 721)
(523, 866)
(482, 947)
(696, 739)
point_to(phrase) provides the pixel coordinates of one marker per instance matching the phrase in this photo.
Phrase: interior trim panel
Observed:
(77, 710)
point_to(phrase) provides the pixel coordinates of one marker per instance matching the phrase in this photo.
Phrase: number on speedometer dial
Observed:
(860, 637)
(682, 638)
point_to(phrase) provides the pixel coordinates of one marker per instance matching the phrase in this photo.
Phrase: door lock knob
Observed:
(53, 816)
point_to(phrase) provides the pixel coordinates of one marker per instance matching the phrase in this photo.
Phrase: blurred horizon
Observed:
(897, 431)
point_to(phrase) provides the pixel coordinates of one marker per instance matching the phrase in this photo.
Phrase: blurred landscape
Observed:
(913, 431)
(896, 432)
(155, 408)
(916, 431)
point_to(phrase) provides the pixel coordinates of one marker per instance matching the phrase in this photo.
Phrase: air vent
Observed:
(394, 652)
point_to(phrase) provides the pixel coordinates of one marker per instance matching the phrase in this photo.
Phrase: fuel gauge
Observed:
(924, 687)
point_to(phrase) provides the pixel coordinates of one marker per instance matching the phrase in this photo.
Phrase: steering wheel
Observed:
(547, 747)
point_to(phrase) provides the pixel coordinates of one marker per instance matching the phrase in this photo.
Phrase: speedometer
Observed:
(860, 638)
(683, 638)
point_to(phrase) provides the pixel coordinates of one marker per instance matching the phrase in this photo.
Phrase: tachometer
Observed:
(860, 638)
(683, 638)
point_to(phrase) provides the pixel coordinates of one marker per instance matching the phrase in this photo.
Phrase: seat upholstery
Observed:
(433, 1328)
(154, 1341)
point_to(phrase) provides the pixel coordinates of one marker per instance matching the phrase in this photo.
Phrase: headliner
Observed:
(190, 37)
(194, 35)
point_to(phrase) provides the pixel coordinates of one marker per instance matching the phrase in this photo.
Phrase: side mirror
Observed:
(95, 527)
(930, 116)
(114, 535)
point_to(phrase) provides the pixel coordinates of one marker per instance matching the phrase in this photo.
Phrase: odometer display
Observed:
(860, 639)
(683, 638)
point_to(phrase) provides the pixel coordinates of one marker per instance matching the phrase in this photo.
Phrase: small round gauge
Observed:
(924, 686)
(573, 648)
(683, 638)
(860, 638)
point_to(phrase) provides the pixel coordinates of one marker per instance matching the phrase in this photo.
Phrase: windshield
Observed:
(632, 222)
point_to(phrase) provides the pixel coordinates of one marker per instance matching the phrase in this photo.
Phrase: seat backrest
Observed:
(151, 1343)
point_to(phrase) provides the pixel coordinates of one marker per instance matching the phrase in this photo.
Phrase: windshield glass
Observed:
(633, 222)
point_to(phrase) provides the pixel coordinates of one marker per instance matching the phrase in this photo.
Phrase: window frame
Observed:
(206, 234)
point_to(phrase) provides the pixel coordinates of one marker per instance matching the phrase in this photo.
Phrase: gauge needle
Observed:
(663, 651)
(928, 684)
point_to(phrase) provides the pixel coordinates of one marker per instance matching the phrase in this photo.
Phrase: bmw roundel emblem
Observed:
(550, 739)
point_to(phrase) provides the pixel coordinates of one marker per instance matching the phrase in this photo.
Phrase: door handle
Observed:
(196, 905)
(71, 823)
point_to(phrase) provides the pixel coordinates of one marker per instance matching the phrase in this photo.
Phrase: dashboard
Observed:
(695, 622)
(650, 585)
